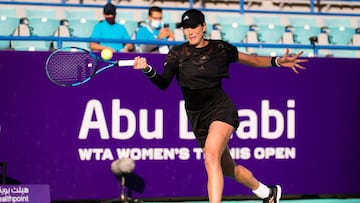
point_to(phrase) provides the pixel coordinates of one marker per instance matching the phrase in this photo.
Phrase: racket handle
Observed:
(125, 62)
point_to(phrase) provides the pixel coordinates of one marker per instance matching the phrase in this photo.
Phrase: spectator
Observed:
(109, 29)
(154, 30)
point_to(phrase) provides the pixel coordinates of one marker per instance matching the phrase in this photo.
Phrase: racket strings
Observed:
(68, 68)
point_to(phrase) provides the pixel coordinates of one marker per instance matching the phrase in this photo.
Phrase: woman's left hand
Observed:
(292, 61)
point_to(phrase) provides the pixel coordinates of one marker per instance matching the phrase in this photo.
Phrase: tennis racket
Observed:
(73, 66)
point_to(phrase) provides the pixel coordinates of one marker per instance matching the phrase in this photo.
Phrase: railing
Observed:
(59, 41)
(312, 7)
(242, 10)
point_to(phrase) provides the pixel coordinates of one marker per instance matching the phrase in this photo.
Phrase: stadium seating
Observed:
(40, 22)
(344, 53)
(233, 27)
(267, 20)
(302, 21)
(128, 19)
(80, 28)
(302, 29)
(8, 12)
(8, 25)
(337, 31)
(79, 14)
(40, 13)
(234, 32)
(341, 35)
(340, 30)
(301, 34)
(268, 34)
(336, 22)
(45, 21)
(43, 26)
(268, 29)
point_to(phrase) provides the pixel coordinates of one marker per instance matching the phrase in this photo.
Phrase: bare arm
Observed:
(94, 46)
(287, 61)
(128, 48)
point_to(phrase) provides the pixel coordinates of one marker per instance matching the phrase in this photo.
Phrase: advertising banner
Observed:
(24, 193)
(300, 131)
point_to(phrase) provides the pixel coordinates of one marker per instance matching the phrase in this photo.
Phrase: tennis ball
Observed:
(106, 54)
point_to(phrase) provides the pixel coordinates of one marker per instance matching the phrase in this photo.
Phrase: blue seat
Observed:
(7, 27)
(336, 22)
(266, 20)
(302, 21)
(234, 27)
(8, 24)
(38, 26)
(80, 28)
(269, 51)
(130, 25)
(341, 35)
(302, 33)
(39, 13)
(8, 12)
(230, 19)
(270, 33)
(345, 53)
(43, 26)
(234, 32)
(79, 14)
(269, 29)
(28, 45)
(41, 23)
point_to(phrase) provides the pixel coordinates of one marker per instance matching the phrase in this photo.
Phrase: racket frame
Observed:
(111, 63)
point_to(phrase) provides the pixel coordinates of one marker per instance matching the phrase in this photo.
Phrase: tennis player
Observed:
(199, 66)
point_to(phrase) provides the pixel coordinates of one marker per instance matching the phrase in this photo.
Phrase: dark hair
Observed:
(109, 8)
(154, 9)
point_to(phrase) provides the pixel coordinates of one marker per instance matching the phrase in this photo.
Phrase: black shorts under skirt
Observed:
(222, 109)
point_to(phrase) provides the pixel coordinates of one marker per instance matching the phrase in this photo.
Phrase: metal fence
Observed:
(312, 5)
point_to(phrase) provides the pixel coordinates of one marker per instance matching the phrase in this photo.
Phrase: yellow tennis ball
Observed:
(106, 54)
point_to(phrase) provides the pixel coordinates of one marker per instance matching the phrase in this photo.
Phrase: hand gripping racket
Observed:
(73, 66)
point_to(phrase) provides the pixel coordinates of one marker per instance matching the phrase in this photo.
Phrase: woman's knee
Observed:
(211, 158)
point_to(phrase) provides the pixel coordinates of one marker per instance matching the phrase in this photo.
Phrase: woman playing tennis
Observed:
(199, 66)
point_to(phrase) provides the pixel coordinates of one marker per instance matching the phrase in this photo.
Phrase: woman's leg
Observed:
(216, 143)
(242, 175)
(238, 172)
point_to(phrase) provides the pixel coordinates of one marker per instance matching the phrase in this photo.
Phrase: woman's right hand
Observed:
(140, 63)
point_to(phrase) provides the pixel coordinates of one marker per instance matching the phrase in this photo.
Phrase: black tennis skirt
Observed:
(220, 108)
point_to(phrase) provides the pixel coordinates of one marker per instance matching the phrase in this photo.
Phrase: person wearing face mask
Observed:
(110, 29)
(154, 30)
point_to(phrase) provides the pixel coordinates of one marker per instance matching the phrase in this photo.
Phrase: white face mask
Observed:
(156, 23)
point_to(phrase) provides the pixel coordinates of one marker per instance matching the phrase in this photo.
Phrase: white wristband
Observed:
(276, 62)
(148, 71)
